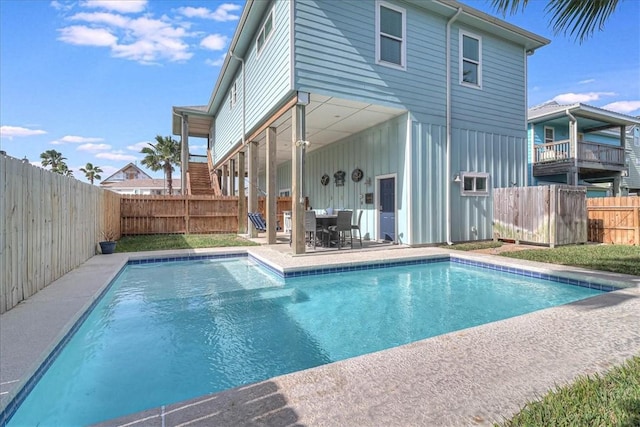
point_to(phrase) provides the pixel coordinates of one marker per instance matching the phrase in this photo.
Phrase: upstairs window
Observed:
(233, 95)
(549, 135)
(474, 184)
(390, 35)
(470, 59)
(265, 32)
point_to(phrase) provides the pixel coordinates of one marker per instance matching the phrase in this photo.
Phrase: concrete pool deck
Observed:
(476, 376)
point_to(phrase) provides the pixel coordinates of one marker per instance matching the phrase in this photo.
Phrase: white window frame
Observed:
(474, 176)
(462, 59)
(266, 38)
(403, 41)
(233, 95)
(284, 192)
(553, 134)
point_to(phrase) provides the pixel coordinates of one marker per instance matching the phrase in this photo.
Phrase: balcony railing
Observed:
(591, 152)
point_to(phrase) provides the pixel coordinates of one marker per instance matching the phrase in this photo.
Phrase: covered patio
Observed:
(272, 158)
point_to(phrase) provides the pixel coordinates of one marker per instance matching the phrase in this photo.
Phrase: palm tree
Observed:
(63, 169)
(162, 155)
(576, 17)
(54, 159)
(92, 172)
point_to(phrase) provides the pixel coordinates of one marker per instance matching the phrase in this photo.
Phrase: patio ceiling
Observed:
(327, 120)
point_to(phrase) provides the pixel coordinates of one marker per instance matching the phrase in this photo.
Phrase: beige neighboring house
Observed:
(133, 180)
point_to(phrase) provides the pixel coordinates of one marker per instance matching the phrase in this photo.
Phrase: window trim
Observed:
(259, 48)
(403, 41)
(474, 176)
(284, 192)
(233, 95)
(461, 59)
(544, 134)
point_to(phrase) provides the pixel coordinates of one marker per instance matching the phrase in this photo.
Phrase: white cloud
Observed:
(214, 42)
(60, 6)
(112, 19)
(587, 81)
(221, 14)
(138, 146)
(624, 107)
(116, 156)
(72, 139)
(198, 148)
(16, 131)
(571, 98)
(86, 36)
(93, 147)
(216, 62)
(122, 6)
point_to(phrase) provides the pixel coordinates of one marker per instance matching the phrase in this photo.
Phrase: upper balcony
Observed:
(558, 157)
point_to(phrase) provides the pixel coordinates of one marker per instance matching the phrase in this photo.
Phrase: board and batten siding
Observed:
(378, 151)
(503, 158)
(334, 55)
(268, 82)
(633, 154)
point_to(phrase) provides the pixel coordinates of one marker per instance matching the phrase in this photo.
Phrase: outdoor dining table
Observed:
(326, 221)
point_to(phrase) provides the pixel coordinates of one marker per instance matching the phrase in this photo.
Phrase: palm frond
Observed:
(580, 18)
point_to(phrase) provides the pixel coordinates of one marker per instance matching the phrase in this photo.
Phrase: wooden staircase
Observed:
(200, 180)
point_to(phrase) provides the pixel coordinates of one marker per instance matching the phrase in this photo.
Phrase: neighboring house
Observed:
(412, 111)
(631, 182)
(133, 180)
(578, 144)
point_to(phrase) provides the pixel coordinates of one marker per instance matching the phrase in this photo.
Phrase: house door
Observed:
(387, 209)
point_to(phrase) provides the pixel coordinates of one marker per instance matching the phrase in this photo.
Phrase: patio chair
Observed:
(343, 225)
(311, 227)
(356, 227)
(259, 222)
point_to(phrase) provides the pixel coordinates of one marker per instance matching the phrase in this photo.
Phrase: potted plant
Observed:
(108, 245)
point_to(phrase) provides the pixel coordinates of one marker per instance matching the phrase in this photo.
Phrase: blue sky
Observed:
(96, 80)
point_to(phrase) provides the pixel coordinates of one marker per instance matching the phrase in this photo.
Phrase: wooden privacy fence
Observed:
(49, 225)
(186, 214)
(549, 215)
(614, 220)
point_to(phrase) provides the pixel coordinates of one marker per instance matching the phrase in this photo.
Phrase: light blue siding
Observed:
(335, 56)
(267, 79)
(379, 150)
(500, 105)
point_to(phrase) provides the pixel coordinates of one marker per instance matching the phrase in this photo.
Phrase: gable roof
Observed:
(151, 183)
(122, 169)
(553, 110)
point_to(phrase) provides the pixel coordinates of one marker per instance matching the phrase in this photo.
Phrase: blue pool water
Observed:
(166, 332)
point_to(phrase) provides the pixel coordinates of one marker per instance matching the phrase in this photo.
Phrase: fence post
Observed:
(186, 214)
(636, 225)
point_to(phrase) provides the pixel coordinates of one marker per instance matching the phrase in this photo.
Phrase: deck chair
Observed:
(356, 227)
(343, 225)
(260, 223)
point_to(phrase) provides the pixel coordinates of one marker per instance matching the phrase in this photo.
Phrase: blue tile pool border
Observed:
(14, 404)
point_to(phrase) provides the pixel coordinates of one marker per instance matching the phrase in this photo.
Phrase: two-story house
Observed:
(130, 179)
(578, 144)
(409, 110)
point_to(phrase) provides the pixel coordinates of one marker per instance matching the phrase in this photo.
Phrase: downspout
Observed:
(448, 141)
(244, 93)
(573, 137)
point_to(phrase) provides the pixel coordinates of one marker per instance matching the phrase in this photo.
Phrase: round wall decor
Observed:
(357, 174)
(325, 179)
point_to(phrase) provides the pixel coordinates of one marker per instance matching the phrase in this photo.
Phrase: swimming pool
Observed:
(165, 332)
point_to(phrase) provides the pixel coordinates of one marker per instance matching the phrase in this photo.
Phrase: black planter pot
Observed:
(107, 247)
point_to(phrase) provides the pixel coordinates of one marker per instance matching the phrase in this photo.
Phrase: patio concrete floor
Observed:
(475, 376)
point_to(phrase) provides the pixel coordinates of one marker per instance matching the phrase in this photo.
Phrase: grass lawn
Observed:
(157, 242)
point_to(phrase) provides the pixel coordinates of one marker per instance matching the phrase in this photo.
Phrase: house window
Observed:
(474, 184)
(470, 59)
(390, 35)
(265, 32)
(285, 192)
(549, 135)
(233, 95)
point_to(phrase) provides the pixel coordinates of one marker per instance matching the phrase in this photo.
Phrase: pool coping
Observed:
(112, 265)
